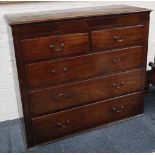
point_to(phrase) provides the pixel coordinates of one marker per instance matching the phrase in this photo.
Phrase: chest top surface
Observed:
(37, 17)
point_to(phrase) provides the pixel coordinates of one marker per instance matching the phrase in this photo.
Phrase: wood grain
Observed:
(74, 120)
(118, 37)
(50, 47)
(78, 68)
(80, 93)
(95, 66)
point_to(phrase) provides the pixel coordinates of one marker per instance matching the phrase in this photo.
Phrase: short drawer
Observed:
(118, 37)
(71, 69)
(70, 121)
(54, 46)
(84, 92)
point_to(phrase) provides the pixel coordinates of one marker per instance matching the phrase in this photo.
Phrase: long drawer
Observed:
(71, 69)
(118, 37)
(70, 121)
(55, 46)
(79, 93)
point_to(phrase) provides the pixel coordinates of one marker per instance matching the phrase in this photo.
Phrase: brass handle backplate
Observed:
(62, 45)
(118, 85)
(115, 60)
(65, 69)
(63, 125)
(65, 95)
(53, 71)
(119, 38)
(118, 110)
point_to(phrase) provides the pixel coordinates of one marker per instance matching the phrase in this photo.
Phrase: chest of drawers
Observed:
(80, 68)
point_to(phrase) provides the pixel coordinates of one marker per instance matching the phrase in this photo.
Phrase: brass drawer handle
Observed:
(62, 45)
(118, 85)
(115, 60)
(63, 125)
(119, 38)
(65, 95)
(53, 71)
(118, 110)
(65, 69)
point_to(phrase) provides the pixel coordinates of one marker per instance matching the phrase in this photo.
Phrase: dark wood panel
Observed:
(54, 72)
(70, 121)
(55, 46)
(84, 92)
(119, 37)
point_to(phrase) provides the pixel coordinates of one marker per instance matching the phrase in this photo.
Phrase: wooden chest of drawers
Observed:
(79, 68)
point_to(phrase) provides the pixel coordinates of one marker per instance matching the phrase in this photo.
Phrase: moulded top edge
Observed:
(23, 18)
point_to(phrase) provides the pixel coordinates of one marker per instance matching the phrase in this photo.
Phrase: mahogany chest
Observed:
(79, 68)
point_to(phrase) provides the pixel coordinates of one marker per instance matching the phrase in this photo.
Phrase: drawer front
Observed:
(84, 92)
(117, 21)
(71, 69)
(118, 37)
(54, 46)
(70, 121)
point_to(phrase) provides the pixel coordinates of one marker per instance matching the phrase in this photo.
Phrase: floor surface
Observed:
(136, 135)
